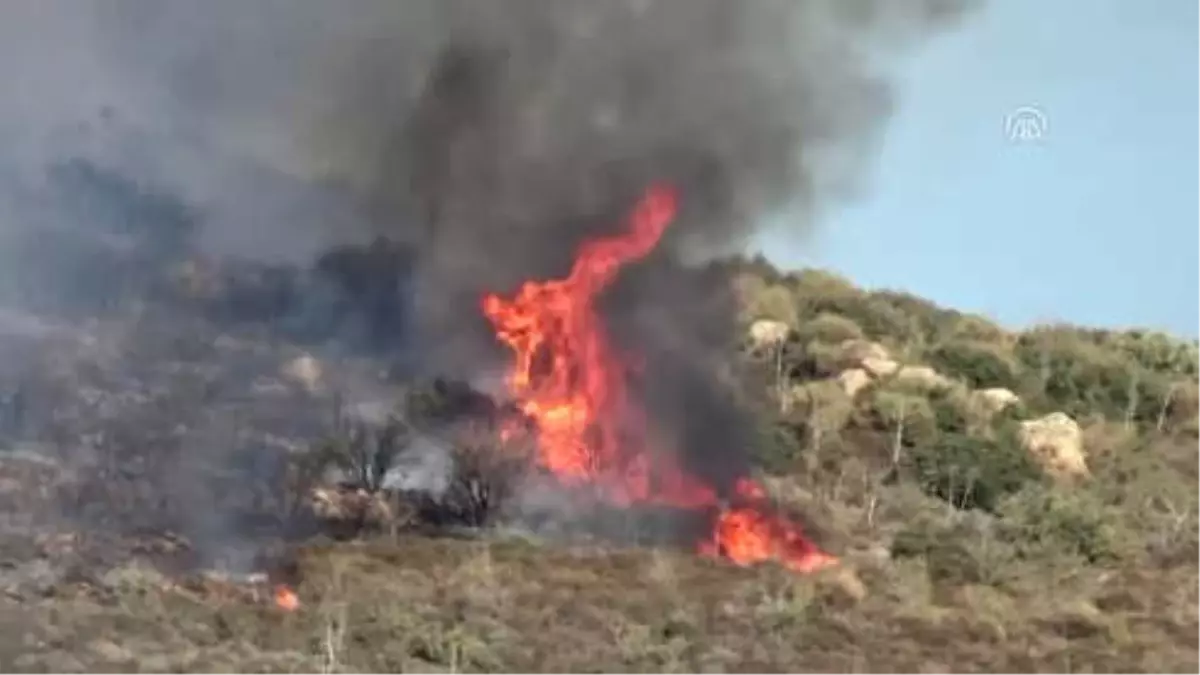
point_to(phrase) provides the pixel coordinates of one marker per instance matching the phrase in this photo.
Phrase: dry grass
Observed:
(448, 605)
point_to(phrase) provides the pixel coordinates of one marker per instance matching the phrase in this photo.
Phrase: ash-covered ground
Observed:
(159, 403)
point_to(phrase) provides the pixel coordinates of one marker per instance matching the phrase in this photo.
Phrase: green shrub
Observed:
(957, 550)
(976, 328)
(981, 364)
(829, 329)
(877, 320)
(924, 320)
(972, 472)
(813, 360)
(813, 284)
(778, 445)
(1047, 520)
(911, 413)
(951, 412)
(1076, 375)
(1157, 352)
(774, 302)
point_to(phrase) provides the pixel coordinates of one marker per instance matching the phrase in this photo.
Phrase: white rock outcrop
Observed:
(1056, 443)
(854, 381)
(995, 399)
(766, 333)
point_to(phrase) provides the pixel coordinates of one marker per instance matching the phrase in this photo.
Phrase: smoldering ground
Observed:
(492, 138)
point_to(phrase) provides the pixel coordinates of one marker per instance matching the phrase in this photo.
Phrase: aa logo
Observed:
(1026, 124)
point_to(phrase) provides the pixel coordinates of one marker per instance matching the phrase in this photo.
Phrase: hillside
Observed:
(898, 430)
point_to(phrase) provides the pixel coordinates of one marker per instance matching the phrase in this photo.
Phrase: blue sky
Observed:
(1096, 224)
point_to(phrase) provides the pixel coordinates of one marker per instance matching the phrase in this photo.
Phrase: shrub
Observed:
(819, 409)
(1157, 352)
(811, 284)
(976, 328)
(1045, 520)
(817, 293)
(924, 320)
(829, 328)
(1181, 408)
(486, 473)
(981, 364)
(777, 446)
(972, 472)
(959, 549)
(951, 411)
(363, 453)
(813, 360)
(910, 413)
(1079, 377)
(773, 302)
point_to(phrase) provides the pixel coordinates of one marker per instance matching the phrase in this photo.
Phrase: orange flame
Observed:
(286, 599)
(569, 381)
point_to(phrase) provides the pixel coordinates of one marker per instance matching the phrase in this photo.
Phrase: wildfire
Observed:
(286, 599)
(567, 378)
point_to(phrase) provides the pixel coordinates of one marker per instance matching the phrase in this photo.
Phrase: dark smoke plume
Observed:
(495, 136)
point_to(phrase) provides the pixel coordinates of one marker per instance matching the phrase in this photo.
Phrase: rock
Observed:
(857, 351)
(878, 367)
(994, 400)
(923, 377)
(854, 381)
(305, 371)
(354, 509)
(871, 357)
(766, 333)
(1056, 443)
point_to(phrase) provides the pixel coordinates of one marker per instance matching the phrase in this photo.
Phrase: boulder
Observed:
(351, 510)
(878, 367)
(766, 333)
(994, 400)
(854, 380)
(1056, 444)
(871, 357)
(858, 350)
(923, 377)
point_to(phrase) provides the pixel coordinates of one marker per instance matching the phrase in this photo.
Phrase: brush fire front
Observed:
(573, 385)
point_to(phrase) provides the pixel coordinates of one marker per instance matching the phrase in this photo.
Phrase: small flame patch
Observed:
(286, 599)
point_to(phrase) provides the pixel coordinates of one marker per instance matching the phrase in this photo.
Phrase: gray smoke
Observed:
(492, 136)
